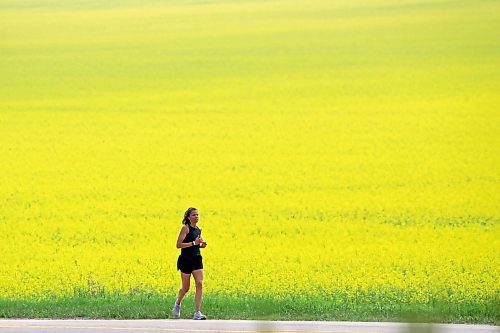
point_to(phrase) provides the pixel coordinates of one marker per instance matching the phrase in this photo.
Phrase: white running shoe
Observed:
(176, 311)
(199, 316)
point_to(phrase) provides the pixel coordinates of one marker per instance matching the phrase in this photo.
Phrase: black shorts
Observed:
(189, 264)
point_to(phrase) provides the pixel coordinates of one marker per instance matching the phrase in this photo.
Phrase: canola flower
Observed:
(322, 162)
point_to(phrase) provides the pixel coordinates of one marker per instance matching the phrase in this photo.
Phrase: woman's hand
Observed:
(202, 243)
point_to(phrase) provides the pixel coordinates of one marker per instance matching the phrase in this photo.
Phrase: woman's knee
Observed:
(199, 284)
(185, 288)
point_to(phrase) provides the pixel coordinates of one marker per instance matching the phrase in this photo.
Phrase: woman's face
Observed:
(193, 217)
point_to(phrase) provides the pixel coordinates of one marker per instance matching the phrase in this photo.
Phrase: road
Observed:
(229, 326)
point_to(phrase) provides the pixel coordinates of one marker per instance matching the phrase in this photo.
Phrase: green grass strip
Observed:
(155, 306)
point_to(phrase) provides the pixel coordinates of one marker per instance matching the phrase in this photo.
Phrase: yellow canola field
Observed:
(96, 201)
(331, 147)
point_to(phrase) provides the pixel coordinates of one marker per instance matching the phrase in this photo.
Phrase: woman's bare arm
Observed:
(182, 235)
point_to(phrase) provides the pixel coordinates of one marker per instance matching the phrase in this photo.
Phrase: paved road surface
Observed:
(228, 326)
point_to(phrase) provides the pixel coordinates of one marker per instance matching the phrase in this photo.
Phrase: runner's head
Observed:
(191, 215)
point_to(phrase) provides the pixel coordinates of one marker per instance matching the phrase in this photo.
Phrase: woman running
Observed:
(190, 261)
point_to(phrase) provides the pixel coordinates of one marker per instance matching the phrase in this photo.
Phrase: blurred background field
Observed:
(343, 155)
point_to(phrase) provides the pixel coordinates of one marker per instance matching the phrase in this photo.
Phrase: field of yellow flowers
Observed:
(336, 150)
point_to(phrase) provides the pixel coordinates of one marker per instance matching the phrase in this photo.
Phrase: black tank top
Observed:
(191, 251)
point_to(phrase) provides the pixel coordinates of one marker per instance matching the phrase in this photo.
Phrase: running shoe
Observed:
(199, 316)
(176, 311)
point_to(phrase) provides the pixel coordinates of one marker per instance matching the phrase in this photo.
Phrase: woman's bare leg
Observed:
(186, 280)
(198, 278)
